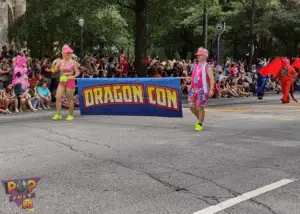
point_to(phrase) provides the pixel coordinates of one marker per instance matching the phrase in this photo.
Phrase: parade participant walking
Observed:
(68, 69)
(261, 81)
(287, 76)
(282, 69)
(202, 87)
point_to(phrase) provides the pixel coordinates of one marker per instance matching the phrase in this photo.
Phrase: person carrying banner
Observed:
(202, 87)
(68, 72)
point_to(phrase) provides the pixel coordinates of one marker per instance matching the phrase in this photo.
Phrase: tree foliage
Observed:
(174, 28)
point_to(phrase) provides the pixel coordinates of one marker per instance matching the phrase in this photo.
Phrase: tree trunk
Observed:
(183, 52)
(141, 37)
(235, 46)
(205, 23)
(251, 47)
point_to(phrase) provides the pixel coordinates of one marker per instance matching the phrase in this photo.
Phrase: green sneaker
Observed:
(70, 117)
(57, 117)
(198, 127)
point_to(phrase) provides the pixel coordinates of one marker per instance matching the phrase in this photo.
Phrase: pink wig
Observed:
(19, 72)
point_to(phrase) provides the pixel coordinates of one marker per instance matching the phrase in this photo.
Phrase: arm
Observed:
(13, 94)
(227, 86)
(56, 69)
(49, 93)
(77, 73)
(39, 94)
(4, 95)
(4, 72)
(42, 96)
(210, 74)
(293, 71)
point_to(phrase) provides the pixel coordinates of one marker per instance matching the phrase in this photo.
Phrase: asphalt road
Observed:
(131, 165)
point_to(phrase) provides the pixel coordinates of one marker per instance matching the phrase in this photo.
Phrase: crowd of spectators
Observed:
(232, 80)
(39, 91)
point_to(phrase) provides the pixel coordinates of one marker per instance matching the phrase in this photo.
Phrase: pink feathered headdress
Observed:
(20, 61)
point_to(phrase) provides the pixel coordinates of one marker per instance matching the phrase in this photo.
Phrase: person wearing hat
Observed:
(202, 87)
(68, 69)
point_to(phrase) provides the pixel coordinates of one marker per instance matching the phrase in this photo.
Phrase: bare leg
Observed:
(7, 105)
(234, 91)
(231, 93)
(43, 103)
(22, 104)
(70, 95)
(16, 103)
(49, 101)
(194, 111)
(201, 115)
(46, 102)
(59, 92)
(30, 105)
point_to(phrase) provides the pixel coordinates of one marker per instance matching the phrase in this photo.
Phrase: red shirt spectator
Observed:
(148, 61)
(124, 63)
(232, 70)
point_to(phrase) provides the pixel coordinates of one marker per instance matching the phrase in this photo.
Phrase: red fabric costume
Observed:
(286, 81)
(281, 68)
(296, 63)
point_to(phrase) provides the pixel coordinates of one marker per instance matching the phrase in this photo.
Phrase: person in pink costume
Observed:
(20, 82)
(20, 73)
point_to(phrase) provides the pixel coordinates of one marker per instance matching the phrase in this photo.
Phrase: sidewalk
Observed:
(269, 98)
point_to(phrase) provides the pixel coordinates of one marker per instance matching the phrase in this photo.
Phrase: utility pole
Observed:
(220, 28)
(205, 20)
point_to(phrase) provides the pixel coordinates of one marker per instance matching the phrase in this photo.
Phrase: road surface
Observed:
(131, 165)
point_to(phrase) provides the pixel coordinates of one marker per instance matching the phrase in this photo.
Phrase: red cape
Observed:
(296, 63)
(273, 68)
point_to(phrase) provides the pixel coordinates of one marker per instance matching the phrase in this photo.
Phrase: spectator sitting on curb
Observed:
(45, 95)
(24, 98)
(13, 100)
(35, 99)
(4, 102)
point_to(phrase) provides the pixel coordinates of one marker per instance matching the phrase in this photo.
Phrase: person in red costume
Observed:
(282, 69)
(286, 77)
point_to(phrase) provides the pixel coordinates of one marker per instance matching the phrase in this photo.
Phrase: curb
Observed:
(240, 102)
(41, 115)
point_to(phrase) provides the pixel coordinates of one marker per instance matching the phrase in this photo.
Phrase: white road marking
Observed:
(246, 196)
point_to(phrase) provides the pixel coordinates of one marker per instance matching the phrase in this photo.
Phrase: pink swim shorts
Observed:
(69, 84)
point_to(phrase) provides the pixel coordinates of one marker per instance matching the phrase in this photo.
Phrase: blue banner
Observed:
(130, 96)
